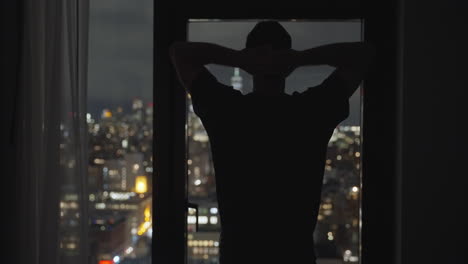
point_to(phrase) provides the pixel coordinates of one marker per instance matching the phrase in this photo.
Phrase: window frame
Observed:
(379, 206)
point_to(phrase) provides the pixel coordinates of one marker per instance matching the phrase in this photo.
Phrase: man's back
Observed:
(269, 156)
(269, 148)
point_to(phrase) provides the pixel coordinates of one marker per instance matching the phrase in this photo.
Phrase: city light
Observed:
(201, 137)
(202, 243)
(214, 220)
(346, 255)
(214, 210)
(150, 232)
(141, 184)
(191, 219)
(124, 143)
(68, 205)
(203, 220)
(121, 196)
(129, 250)
(106, 113)
(147, 214)
(145, 226)
(99, 161)
(100, 206)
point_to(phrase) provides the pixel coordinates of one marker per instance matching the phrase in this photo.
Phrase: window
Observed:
(120, 126)
(337, 235)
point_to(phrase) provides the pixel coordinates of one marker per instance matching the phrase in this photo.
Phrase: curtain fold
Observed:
(51, 132)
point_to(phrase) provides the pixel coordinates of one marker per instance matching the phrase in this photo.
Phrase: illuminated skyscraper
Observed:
(137, 103)
(236, 80)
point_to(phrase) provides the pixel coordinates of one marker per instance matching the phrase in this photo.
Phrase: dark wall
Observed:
(268, 8)
(434, 158)
(10, 32)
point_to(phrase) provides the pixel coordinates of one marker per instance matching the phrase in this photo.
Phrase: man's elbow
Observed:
(176, 48)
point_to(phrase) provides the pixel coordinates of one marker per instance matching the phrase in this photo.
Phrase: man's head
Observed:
(268, 33)
(273, 34)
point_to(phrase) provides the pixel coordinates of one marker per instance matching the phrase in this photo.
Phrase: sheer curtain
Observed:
(51, 132)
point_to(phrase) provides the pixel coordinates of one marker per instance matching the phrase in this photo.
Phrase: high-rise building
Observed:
(236, 80)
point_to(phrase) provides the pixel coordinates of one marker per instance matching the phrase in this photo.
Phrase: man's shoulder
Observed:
(310, 91)
(214, 99)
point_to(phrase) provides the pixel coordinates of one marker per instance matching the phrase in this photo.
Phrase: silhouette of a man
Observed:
(269, 148)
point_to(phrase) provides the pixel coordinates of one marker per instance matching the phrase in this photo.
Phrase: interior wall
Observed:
(10, 31)
(268, 8)
(434, 175)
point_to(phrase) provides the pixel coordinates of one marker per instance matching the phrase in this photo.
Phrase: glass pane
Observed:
(337, 232)
(120, 125)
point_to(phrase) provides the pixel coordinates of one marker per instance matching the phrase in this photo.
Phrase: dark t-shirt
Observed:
(269, 155)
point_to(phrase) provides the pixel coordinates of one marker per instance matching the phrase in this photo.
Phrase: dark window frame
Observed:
(379, 234)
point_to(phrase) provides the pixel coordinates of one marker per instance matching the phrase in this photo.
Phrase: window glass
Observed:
(120, 129)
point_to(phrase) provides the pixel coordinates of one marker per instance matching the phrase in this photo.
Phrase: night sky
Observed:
(121, 43)
(120, 53)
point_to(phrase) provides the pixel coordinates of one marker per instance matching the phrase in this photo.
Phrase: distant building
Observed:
(236, 80)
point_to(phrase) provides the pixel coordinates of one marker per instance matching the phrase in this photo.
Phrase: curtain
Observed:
(51, 132)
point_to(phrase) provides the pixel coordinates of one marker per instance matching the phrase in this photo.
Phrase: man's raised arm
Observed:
(189, 58)
(351, 60)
